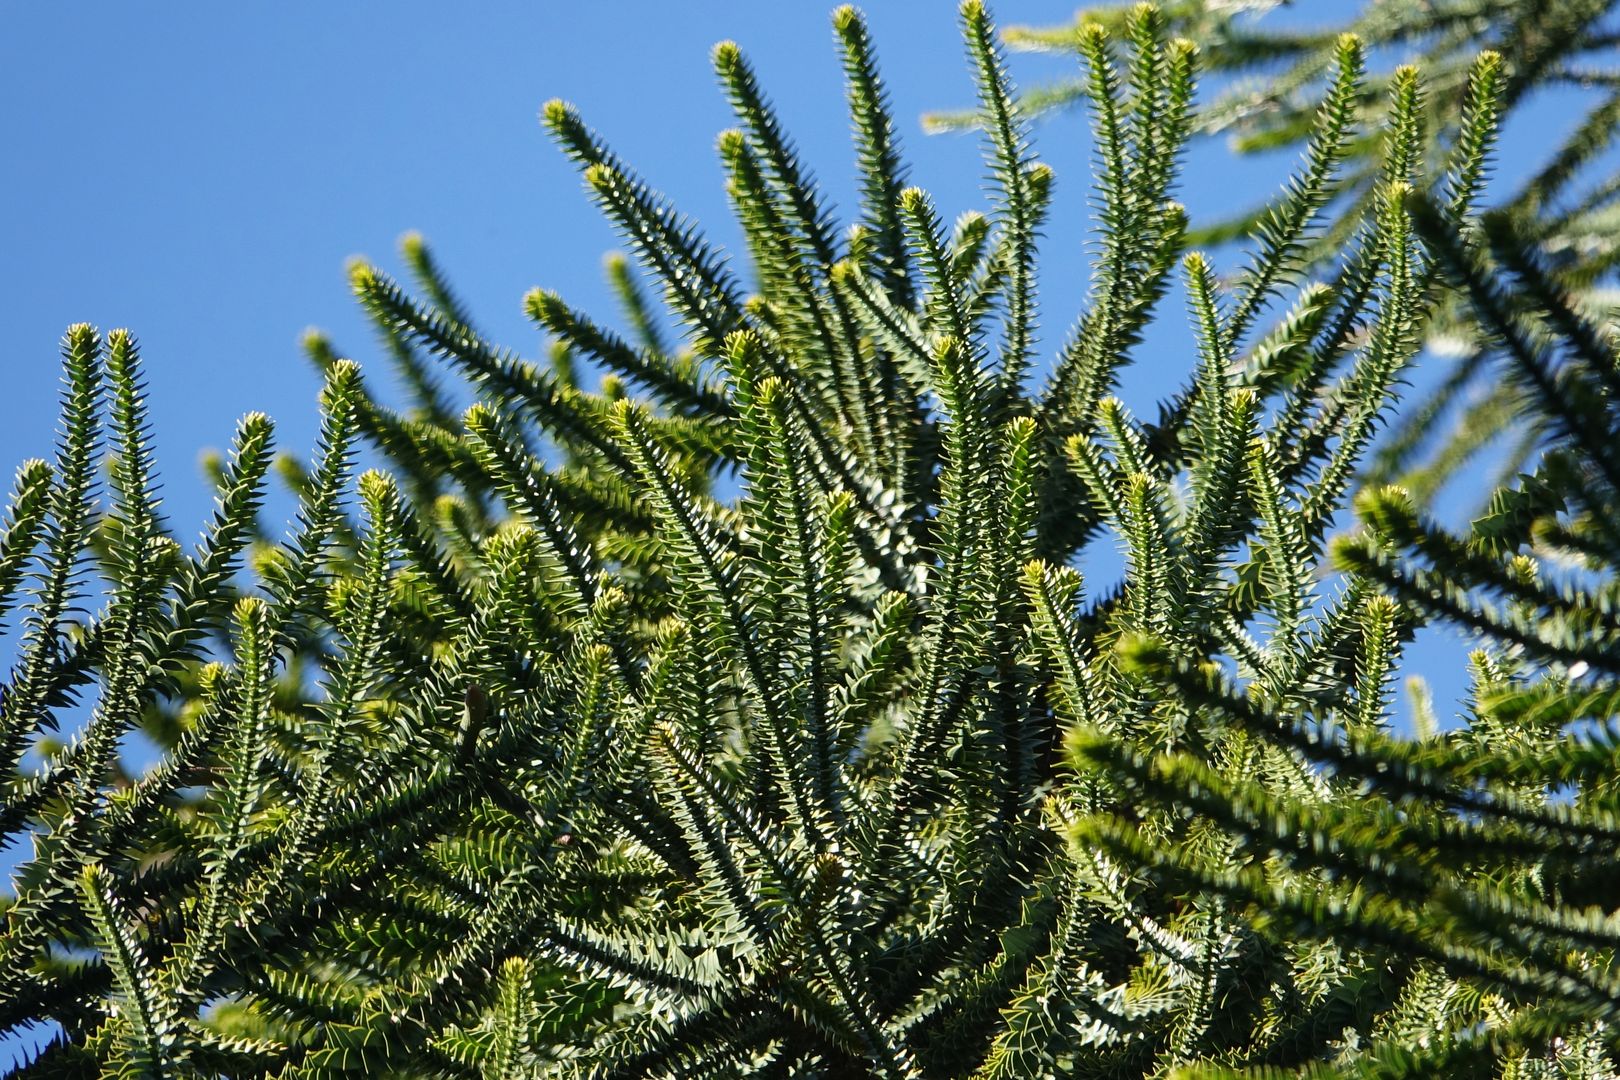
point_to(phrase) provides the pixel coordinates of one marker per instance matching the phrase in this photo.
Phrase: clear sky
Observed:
(199, 173)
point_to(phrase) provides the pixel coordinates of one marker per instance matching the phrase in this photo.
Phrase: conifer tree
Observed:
(535, 753)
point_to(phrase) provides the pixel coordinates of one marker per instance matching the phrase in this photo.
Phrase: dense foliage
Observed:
(1560, 86)
(749, 714)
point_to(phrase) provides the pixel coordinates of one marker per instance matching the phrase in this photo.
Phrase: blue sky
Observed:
(200, 173)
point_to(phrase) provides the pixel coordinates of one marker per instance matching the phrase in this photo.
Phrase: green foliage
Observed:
(537, 753)
(1275, 84)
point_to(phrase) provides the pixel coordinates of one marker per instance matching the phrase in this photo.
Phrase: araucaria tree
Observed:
(749, 714)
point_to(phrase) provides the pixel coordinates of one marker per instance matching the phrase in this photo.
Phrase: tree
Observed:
(556, 759)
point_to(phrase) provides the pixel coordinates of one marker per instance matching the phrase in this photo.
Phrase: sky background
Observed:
(200, 174)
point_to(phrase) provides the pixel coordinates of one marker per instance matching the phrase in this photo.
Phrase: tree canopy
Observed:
(733, 703)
